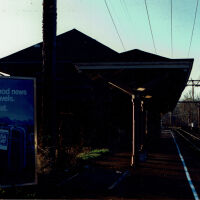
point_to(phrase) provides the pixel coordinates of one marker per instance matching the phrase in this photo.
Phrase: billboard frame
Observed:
(35, 130)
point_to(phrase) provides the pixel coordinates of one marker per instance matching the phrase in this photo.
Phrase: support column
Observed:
(133, 132)
(146, 122)
(142, 127)
(170, 119)
(137, 129)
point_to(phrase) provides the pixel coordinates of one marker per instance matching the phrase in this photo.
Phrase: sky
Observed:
(21, 25)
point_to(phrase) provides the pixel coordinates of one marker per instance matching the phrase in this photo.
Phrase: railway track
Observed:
(190, 138)
(194, 142)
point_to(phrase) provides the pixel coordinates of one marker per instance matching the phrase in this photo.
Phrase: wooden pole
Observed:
(49, 72)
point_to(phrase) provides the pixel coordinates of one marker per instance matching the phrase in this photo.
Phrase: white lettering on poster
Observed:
(4, 139)
(8, 95)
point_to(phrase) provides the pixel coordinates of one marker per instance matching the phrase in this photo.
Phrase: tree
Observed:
(186, 113)
(49, 72)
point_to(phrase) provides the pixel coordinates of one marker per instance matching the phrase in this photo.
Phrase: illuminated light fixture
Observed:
(148, 97)
(141, 89)
(4, 74)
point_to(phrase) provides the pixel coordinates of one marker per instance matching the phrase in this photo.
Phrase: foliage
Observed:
(92, 154)
(2, 191)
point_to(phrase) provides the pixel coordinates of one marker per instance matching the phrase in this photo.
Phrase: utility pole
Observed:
(192, 90)
(49, 73)
(195, 83)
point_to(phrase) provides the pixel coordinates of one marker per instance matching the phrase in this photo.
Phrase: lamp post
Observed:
(133, 132)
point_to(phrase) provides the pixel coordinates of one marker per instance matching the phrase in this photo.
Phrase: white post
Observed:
(133, 133)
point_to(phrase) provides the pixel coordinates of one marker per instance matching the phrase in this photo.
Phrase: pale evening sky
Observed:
(21, 25)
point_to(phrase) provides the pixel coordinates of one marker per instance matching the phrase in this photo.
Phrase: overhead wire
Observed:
(150, 26)
(123, 7)
(126, 12)
(193, 28)
(114, 25)
(172, 51)
(123, 2)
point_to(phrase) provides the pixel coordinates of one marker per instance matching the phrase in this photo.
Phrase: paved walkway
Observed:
(161, 177)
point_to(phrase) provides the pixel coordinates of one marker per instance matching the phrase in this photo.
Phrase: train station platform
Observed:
(161, 176)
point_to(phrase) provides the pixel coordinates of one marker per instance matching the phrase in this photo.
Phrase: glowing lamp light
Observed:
(141, 89)
(148, 97)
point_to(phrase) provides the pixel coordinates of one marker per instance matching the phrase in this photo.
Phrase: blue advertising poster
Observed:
(4, 139)
(17, 131)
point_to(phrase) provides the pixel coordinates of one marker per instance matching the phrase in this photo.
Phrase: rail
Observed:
(197, 138)
(192, 143)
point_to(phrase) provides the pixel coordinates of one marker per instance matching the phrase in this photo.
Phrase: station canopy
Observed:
(156, 80)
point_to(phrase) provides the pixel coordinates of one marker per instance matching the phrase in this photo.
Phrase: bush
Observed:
(92, 154)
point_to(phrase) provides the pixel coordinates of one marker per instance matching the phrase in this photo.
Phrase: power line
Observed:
(126, 9)
(171, 30)
(115, 25)
(122, 6)
(193, 27)
(150, 27)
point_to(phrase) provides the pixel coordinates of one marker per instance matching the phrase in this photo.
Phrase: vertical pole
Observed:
(49, 71)
(170, 119)
(133, 132)
(198, 115)
(146, 122)
(192, 90)
(142, 127)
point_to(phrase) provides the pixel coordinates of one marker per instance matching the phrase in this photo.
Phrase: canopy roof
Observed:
(163, 79)
(162, 82)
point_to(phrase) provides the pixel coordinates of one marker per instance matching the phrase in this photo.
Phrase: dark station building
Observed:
(116, 98)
